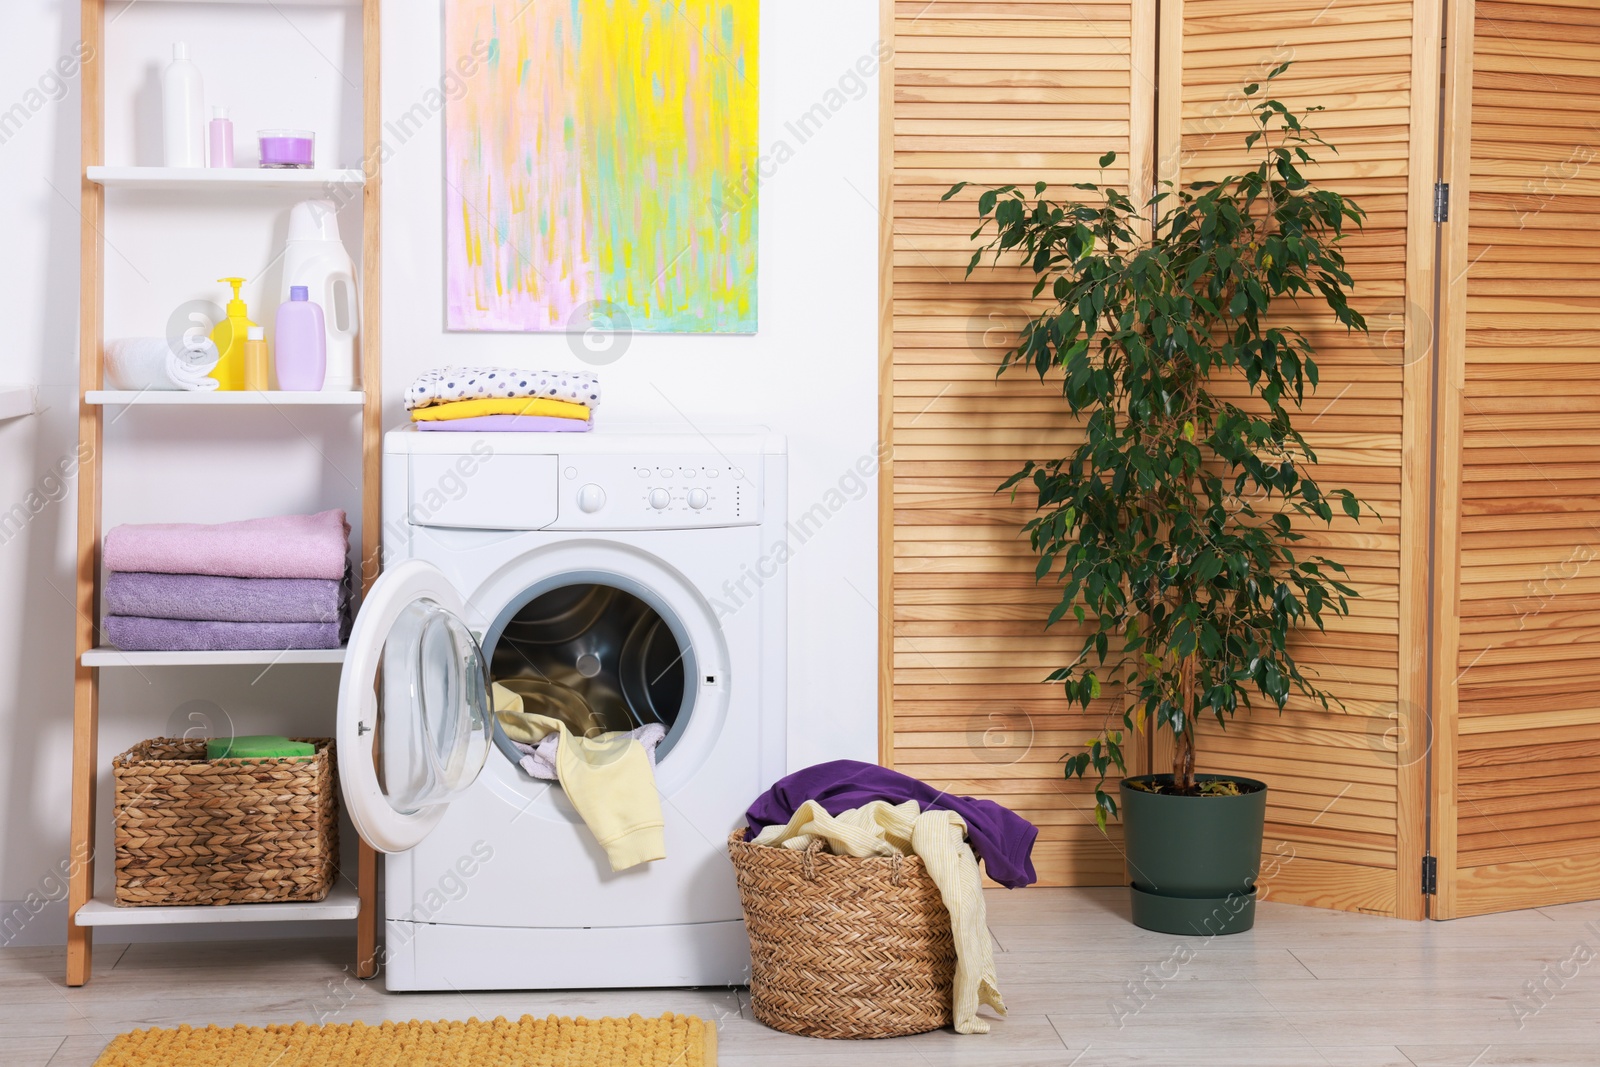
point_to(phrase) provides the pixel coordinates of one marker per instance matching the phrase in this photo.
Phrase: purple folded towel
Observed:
(208, 598)
(132, 633)
(286, 546)
(511, 423)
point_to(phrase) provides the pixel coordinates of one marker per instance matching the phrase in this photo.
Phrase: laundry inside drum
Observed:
(597, 658)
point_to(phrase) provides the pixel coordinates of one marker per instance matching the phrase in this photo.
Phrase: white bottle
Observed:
(183, 123)
(316, 258)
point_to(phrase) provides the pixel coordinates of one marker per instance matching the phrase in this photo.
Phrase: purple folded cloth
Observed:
(285, 546)
(1001, 838)
(132, 633)
(511, 423)
(207, 598)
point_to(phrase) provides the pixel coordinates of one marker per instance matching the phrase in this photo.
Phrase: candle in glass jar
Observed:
(287, 148)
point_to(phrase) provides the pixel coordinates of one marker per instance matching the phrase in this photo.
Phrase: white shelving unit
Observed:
(183, 398)
(200, 179)
(17, 400)
(258, 198)
(115, 657)
(343, 903)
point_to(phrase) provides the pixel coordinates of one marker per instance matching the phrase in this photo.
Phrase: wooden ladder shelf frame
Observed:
(91, 373)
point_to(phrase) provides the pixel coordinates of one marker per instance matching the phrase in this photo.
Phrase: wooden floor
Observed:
(1306, 987)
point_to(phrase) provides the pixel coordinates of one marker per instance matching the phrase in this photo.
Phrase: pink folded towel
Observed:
(286, 546)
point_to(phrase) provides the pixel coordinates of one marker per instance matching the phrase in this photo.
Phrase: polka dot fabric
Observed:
(670, 1041)
(483, 383)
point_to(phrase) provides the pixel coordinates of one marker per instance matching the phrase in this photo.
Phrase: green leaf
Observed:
(954, 189)
(1107, 159)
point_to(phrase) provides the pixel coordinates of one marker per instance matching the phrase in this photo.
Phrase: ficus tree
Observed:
(1172, 527)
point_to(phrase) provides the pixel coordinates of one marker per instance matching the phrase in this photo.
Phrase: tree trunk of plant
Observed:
(1183, 749)
(1183, 761)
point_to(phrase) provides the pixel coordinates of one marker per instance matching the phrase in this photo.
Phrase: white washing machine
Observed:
(635, 568)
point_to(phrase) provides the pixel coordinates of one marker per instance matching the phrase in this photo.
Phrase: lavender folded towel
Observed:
(132, 633)
(512, 423)
(208, 598)
(285, 546)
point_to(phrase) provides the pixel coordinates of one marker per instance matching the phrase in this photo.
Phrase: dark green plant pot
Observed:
(1193, 861)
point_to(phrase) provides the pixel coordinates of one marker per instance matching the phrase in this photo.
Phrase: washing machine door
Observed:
(415, 721)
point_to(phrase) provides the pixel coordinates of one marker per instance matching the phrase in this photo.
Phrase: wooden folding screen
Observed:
(987, 92)
(990, 92)
(1344, 815)
(1517, 678)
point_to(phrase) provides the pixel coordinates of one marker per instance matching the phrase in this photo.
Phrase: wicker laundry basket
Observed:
(189, 830)
(844, 947)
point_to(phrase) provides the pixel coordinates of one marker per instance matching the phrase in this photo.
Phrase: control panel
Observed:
(658, 492)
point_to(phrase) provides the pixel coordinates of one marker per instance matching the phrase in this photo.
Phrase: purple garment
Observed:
(131, 633)
(206, 597)
(511, 423)
(1002, 839)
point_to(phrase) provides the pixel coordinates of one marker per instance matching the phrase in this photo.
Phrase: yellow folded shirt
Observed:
(514, 405)
(608, 778)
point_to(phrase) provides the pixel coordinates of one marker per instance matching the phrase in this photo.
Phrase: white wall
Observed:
(810, 373)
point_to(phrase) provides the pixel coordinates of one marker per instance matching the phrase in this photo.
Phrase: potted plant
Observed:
(1171, 528)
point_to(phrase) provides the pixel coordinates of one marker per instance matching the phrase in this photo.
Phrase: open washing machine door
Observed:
(415, 719)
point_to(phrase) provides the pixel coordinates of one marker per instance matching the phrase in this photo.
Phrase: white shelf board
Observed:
(217, 398)
(200, 178)
(17, 400)
(112, 657)
(341, 903)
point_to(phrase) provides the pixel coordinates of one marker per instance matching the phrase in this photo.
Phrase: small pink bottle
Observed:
(301, 355)
(221, 138)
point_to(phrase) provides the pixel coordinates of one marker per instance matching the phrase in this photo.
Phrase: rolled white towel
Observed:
(139, 363)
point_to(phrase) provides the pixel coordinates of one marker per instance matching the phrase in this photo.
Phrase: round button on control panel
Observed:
(591, 498)
(698, 499)
(660, 499)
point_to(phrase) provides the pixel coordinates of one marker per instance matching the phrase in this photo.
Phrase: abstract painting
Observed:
(600, 165)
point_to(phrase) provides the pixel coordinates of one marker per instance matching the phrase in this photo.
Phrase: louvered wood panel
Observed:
(1344, 820)
(1518, 674)
(988, 91)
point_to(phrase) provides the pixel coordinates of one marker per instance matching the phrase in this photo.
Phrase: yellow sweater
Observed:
(519, 405)
(608, 778)
(939, 838)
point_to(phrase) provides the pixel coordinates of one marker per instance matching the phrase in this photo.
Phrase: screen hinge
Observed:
(1430, 876)
(1441, 202)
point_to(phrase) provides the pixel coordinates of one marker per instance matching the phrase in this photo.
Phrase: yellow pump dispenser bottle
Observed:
(230, 336)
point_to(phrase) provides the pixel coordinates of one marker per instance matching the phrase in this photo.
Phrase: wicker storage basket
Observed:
(844, 947)
(189, 830)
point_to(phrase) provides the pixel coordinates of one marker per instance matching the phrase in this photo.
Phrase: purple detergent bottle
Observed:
(301, 354)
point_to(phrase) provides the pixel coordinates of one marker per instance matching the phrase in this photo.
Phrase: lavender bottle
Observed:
(302, 343)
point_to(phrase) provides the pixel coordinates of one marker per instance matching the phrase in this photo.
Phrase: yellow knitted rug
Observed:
(670, 1041)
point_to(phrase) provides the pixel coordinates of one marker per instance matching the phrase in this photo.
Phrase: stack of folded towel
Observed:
(259, 584)
(504, 399)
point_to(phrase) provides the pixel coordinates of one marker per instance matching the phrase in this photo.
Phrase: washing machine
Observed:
(637, 570)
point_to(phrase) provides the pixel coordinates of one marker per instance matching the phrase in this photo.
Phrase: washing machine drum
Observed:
(601, 643)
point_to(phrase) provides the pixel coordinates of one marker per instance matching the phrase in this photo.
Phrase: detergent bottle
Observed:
(229, 336)
(315, 258)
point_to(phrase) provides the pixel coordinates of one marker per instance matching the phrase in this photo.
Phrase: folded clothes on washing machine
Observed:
(469, 383)
(519, 405)
(509, 424)
(609, 778)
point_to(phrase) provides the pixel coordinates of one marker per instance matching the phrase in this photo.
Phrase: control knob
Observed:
(591, 498)
(698, 499)
(659, 499)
